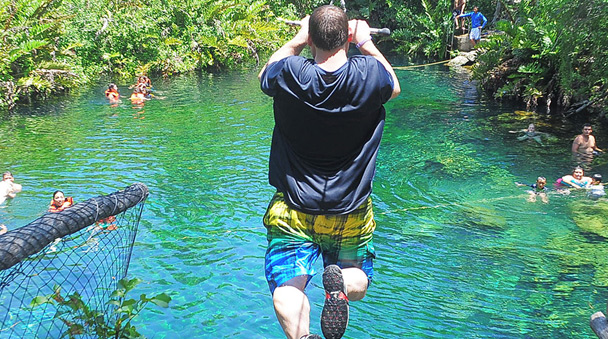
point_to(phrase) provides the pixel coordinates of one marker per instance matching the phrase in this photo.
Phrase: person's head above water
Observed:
(587, 129)
(328, 28)
(541, 182)
(597, 178)
(7, 176)
(58, 198)
(531, 128)
(578, 173)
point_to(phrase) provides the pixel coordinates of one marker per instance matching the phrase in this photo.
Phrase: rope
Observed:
(415, 66)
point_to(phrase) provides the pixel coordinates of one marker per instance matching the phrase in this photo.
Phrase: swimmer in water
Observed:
(538, 189)
(596, 188)
(531, 133)
(112, 93)
(60, 202)
(576, 180)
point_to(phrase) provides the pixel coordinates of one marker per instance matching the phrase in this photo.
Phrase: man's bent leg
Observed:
(356, 283)
(292, 307)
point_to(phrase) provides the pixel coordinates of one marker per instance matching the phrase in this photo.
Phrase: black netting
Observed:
(85, 249)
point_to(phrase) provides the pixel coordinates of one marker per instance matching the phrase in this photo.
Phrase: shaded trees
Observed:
(553, 52)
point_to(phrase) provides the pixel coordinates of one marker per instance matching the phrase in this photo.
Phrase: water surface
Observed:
(461, 253)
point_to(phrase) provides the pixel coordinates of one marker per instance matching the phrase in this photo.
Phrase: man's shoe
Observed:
(311, 336)
(334, 317)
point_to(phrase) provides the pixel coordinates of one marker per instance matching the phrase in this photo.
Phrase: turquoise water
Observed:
(461, 253)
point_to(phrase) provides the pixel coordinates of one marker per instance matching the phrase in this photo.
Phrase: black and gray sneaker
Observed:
(334, 317)
(311, 336)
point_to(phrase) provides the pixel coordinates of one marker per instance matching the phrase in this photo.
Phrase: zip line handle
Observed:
(380, 31)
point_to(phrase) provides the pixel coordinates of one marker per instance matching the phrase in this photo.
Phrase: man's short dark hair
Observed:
(328, 27)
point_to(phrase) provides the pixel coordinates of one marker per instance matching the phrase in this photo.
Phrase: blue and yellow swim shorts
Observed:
(296, 239)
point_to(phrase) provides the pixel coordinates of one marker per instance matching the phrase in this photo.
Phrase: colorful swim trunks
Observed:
(296, 239)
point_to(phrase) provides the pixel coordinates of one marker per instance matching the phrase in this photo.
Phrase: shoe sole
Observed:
(334, 318)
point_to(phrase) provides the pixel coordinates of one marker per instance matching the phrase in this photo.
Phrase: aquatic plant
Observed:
(80, 319)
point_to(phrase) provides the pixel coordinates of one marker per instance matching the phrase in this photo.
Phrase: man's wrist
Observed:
(362, 42)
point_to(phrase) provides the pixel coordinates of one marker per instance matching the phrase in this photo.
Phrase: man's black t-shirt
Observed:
(328, 127)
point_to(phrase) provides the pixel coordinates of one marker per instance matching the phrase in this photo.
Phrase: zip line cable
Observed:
(423, 65)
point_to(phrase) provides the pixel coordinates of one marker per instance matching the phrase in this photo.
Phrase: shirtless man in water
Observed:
(8, 188)
(584, 144)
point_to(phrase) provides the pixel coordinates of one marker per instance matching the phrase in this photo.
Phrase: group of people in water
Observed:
(584, 147)
(142, 91)
(9, 189)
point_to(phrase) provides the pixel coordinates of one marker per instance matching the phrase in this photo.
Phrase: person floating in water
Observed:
(538, 189)
(531, 133)
(328, 111)
(8, 187)
(3, 229)
(108, 223)
(60, 202)
(596, 188)
(576, 180)
(138, 97)
(145, 86)
(112, 93)
(478, 22)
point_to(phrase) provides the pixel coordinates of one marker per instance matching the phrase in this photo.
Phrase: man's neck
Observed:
(331, 60)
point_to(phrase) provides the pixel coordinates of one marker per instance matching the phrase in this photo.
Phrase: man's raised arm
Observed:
(363, 40)
(292, 47)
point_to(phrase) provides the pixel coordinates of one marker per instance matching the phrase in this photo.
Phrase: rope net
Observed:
(84, 249)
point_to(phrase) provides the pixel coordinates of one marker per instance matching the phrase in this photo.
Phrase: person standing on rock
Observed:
(478, 22)
(459, 6)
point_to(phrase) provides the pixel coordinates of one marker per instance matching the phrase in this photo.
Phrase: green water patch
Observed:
(591, 216)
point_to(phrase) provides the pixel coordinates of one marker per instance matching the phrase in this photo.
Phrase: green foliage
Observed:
(554, 49)
(28, 45)
(169, 36)
(81, 319)
(545, 49)
(126, 38)
(424, 31)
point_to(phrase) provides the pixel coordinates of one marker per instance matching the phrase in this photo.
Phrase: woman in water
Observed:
(60, 202)
(576, 180)
(112, 93)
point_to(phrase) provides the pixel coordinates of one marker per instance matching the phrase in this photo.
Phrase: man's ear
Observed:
(351, 32)
(309, 41)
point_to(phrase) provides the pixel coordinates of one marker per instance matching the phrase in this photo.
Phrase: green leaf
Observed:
(39, 300)
(119, 293)
(113, 302)
(129, 284)
(161, 300)
(125, 309)
(129, 302)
